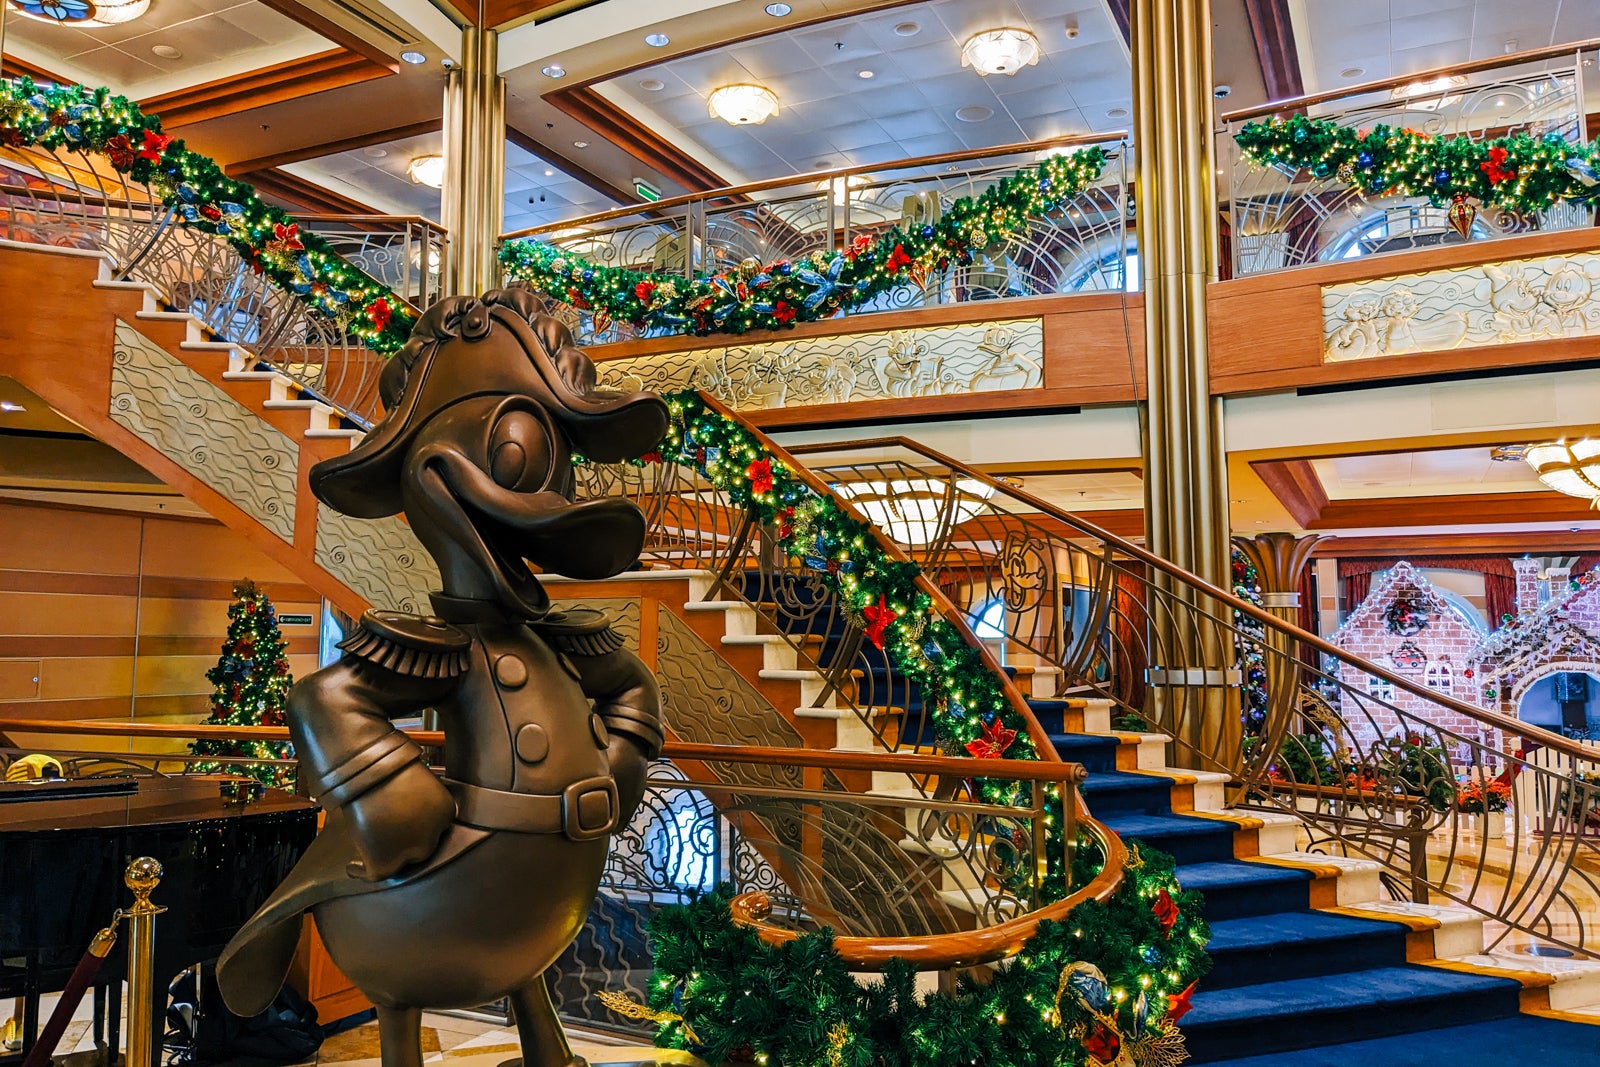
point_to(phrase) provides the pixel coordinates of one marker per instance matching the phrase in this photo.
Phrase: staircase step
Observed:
(1518, 1039)
(1298, 944)
(1302, 1013)
(1120, 791)
(1573, 984)
(1094, 752)
(1236, 890)
(1186, 839)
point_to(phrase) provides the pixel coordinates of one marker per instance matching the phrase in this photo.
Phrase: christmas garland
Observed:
(771, 296)
(249, 686)
(1107, 986)
(1520, 173)
(1249, 636)
(203, 198)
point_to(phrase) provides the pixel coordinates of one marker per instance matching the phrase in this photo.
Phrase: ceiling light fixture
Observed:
(907, 29)
(426, 170)
(777, 11)
(10, 406)
(652, 85)
(1116, 113)
(414, 57)
(554, 70)
(1352, 72)
(165, 51)
(85, 14)
(917, 511)
(1003, 51)
(548, 173)
(657, 40)
(743, 105)
(1573, 469)
(580, 144)
(865, 75)
(374, 152)
(974, 112)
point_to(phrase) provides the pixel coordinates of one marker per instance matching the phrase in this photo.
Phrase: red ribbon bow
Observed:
(878, 617)
(1165, 909)
(1178, 1004)
(380, 313)
(1495, 169)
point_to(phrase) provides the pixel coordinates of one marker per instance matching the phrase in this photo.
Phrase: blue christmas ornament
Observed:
(1442, 178)
(1364, 160)
(927, 231)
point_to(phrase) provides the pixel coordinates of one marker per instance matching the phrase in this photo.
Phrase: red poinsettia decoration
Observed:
(862, 242)
(878, 617)
(652, 456)
(993, 742)
(286, 238)
(644, 290)
(380, 313)
(120, 149)
(783, 312)
(1102, 1043)
(1165, 909)
(153, 145)
(1495, 169)
(898, 260)
(785, 523)
(760, 475)
(1178, 1004)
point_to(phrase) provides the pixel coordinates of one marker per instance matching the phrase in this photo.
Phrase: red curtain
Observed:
(1499, 578)
(1499, 597)
(1130, 628)
(1356, 587)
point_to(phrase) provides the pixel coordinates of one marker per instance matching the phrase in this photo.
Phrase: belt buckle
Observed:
(571, 813)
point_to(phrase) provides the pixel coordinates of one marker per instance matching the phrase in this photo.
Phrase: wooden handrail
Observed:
(1504, 723)
(814, 177)
(1295, 103)
(823, 759)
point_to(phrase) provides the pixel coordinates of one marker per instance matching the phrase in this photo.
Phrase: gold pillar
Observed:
(1185, 478)
(474, 153)
(1279, 559)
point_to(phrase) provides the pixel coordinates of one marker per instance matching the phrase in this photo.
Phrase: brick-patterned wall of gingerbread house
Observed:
(1445, 635)
(1583, 610)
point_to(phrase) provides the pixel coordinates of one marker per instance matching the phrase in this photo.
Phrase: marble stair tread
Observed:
(1573, 982)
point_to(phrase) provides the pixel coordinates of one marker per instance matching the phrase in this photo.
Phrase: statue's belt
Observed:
(584, 810)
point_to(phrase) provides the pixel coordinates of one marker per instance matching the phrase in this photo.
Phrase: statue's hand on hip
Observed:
(398, 822)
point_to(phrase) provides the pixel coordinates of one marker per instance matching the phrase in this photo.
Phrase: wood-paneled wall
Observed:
(109, 615)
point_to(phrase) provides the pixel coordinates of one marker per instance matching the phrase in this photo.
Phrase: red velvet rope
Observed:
(83, 976)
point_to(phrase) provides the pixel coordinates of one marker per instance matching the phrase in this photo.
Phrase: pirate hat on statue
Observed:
(489, 400)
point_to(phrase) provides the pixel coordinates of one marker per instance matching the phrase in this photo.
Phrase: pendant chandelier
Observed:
(743, 105)
(1573, 469)
(1003, 51)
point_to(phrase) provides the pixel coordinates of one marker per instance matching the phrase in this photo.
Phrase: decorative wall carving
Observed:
(891, 364)
(379, 558)
(186, 418)
(1463, 307)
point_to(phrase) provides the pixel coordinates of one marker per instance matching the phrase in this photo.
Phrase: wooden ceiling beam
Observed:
(251, 89)
(298, 194)
(627, 133)
(1295, 484)
(1272, 31)
(1460, 510)
(13, 65)
(588, 177)
(1512, 543)
(328, 148)
(335, 32)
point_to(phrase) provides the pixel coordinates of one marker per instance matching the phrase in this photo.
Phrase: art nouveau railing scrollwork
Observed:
(72, 200)
(1081, 246)
(1456, 802)
(1281, 216)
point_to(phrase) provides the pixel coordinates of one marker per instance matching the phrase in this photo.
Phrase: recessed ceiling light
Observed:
(580, 144)
(777, 11)
(1222, 91)
(907, 29)
(548, 173)
(414, 57)
(974, 112)
(865, 75)
(657, 40)
(11, 405)
(1352, 72)
(375, 152)
(1117, 113)
(554, 70)
(165, 51)
(821, 163)
(652, 85)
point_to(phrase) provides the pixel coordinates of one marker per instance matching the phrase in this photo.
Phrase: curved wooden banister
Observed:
(1545, 738)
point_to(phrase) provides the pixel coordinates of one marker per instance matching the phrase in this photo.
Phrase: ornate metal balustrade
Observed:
(1281, 216)
(1373, 762)
(1082, 247)
(72, 200)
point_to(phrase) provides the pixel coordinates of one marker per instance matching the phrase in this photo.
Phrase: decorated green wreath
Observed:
(1520, 173)
(772, 296)
(1107, 986)
(1408, 615)
(203, 198)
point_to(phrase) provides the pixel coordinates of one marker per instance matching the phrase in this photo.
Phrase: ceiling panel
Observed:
(1437, 472)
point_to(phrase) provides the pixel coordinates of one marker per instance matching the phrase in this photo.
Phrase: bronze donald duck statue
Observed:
(447, 892)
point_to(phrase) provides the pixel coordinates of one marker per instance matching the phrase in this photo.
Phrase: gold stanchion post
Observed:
(142, 876)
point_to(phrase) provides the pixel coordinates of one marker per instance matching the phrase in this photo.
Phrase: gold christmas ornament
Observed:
(1461, 216)
(749, 267)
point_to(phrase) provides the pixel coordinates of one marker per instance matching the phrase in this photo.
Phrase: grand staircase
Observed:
(1310, 951)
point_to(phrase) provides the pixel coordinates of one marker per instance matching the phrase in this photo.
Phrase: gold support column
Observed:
(1279, 559)
(474, 153)
(1185, 478)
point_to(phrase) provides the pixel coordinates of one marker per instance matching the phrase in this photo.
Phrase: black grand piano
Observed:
(62, 860)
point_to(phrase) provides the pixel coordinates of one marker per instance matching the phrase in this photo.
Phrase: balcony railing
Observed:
(1080, 246)
(1282, 216)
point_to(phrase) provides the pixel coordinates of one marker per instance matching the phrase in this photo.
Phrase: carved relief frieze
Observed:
(381, 559)
(1476, 306)
(887, 365)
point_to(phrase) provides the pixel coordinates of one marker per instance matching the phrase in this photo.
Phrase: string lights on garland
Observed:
(1519, 173)
(1107, 986)
(201, 197)
(776, 295)
(1249, 635)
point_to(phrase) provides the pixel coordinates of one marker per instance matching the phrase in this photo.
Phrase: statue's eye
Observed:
(520, 452)
(508, 463)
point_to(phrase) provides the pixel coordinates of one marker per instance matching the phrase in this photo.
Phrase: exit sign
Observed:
(294, 620)
(646, 191)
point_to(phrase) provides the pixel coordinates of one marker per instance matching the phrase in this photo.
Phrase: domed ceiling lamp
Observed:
(1573, 469)
(917, 511)
(743, 105)
(86, 14)
(1003, 51)
(427, 170)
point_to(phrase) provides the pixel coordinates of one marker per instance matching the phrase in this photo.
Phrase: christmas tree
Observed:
(250, 681)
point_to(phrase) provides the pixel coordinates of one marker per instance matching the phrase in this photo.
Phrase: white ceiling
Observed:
(1441, 472)
(1394, 38)
(377, 176)
(216, 38)
(829, 116)
(1096, 491)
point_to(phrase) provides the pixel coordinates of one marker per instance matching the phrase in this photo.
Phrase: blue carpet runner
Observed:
(1286, 978)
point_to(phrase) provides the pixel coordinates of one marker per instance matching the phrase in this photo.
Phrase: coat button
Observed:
(597, 726)
(533, 744)
(510, 672)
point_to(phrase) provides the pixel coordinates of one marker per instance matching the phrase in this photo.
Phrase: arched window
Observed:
(1107, 274)
(991, 624)
(1398, 228)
